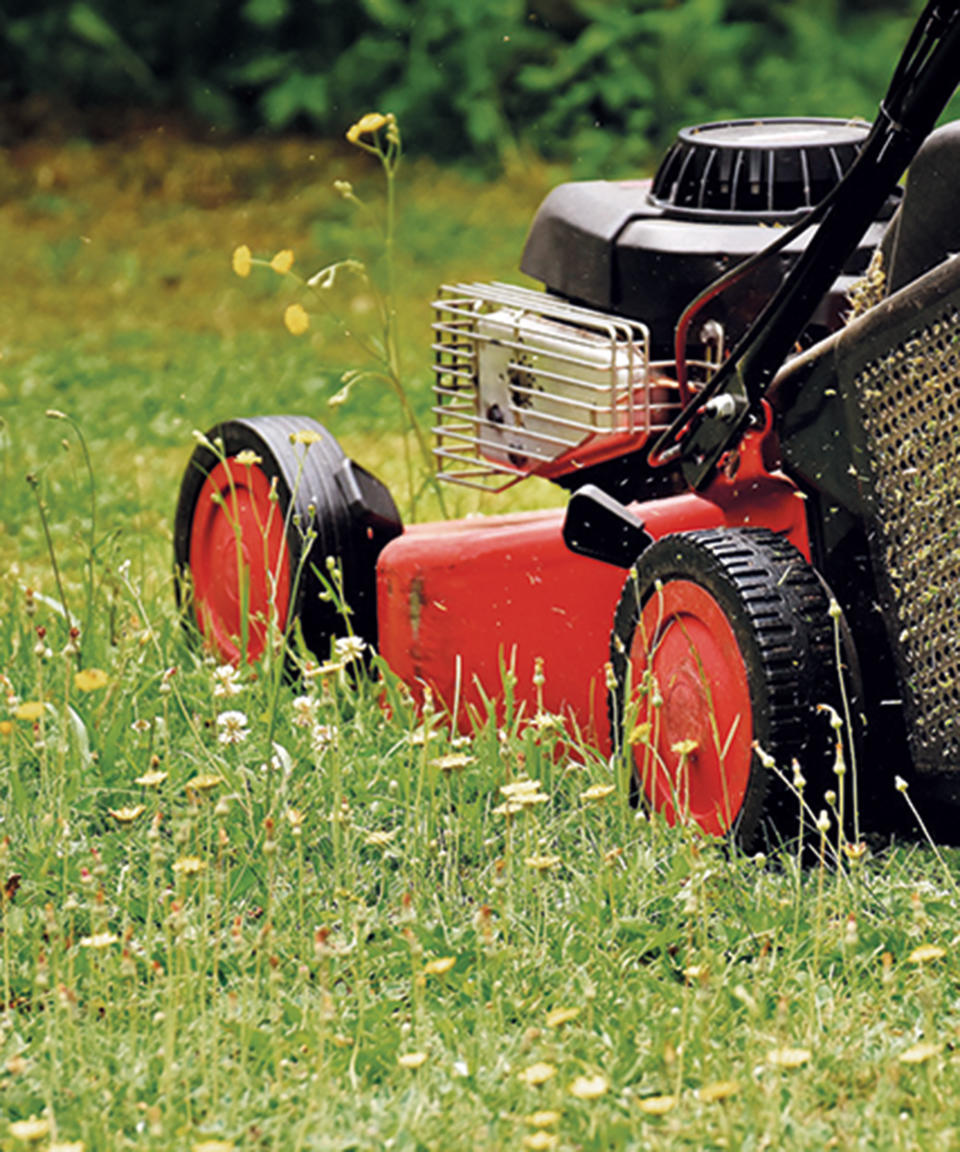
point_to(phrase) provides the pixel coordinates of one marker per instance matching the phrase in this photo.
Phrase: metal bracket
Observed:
(600, 527)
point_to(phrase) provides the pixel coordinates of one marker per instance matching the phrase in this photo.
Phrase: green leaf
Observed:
(266, 13)
(91, 27)
(297, 94)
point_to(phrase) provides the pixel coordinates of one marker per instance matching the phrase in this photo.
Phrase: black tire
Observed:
(735, 626)
(296, 501)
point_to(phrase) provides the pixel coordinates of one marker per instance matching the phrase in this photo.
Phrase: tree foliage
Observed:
(584, 80)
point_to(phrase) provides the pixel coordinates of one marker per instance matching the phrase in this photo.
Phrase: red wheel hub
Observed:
(239, 560)
(693, 744)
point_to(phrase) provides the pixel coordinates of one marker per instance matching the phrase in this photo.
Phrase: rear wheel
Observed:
(722, 641)
(260, 517)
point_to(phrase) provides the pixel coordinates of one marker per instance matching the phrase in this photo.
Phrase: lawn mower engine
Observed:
(759, 536)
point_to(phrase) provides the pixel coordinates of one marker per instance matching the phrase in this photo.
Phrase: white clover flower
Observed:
(305, 712)
(322, 736)
(226, 681)
(349, 648)
(232, 727)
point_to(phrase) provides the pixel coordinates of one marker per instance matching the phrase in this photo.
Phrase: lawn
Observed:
(243, 912)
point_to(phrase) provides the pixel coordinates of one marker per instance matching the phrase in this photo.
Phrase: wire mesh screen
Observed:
(909, 401)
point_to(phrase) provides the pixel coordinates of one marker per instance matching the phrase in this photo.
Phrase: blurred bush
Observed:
(598, 83)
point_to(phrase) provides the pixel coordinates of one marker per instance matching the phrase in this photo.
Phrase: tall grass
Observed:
(294, 920)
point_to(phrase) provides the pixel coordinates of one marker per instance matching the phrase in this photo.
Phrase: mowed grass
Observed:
(240, 911)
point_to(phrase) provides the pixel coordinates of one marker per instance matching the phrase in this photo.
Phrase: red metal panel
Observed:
(460, 601)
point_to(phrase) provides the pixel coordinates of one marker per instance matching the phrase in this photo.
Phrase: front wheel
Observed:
(722, 644)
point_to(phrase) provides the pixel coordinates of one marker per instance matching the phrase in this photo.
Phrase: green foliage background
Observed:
(588, 81)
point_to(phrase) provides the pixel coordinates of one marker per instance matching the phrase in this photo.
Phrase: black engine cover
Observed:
(644, 249)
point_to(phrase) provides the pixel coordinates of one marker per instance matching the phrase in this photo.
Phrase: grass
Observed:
(237, 918)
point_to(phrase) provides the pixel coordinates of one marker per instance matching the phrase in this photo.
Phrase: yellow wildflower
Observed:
(30, 710)
(282, 262)
(214, 1146)
(544, 1118)
(452, 762)
(205, 782)
(247, 458)
(684, 747)
(508, 808)
(719, 1090)
(152, 779)
(29, 1130)
(242, 260)
(560, 1016)
(412, 1059)
(439, 966)
(657, 1105)
(920, 1053)
(6, 727)
(540, 1140)
(518, 788)
(127, 815)
(305, 436)
(90, 679)
(296, 319)
(597, 792)
(640, 734)
(542, 863)
(67, 1146)
(529, 799)
(788, 1057)
(189, 865)
(925, 952)
(379, 838)
(589, 1087)
(536, 1074)
(366, 126)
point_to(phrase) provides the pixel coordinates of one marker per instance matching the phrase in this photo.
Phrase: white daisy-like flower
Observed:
(226, 681)
(349, 648)
(232, 727)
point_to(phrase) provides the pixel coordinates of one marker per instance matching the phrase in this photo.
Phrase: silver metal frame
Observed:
(574, 374)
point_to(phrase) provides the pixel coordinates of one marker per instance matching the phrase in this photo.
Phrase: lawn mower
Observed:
(761, 534)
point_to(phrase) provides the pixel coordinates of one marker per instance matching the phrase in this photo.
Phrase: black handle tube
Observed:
(923, 83)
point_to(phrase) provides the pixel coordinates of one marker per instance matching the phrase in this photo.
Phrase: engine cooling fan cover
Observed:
(765, 169)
